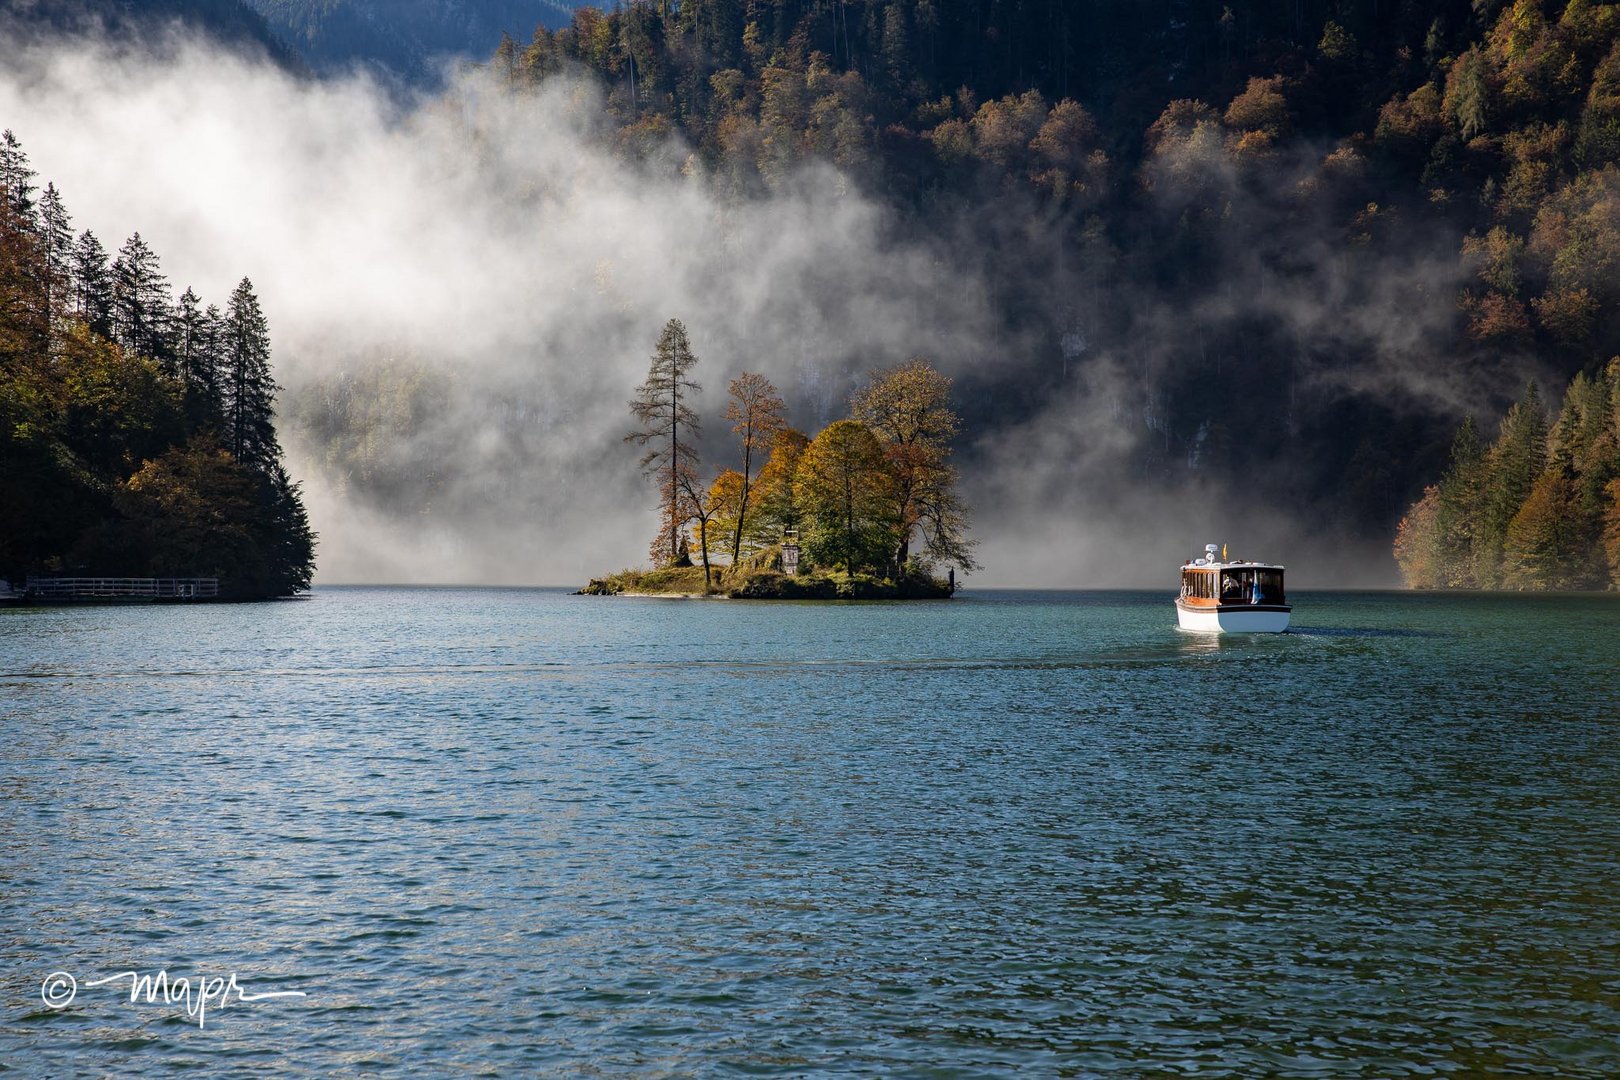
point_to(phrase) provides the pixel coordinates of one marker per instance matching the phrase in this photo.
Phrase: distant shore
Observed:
(687, 581)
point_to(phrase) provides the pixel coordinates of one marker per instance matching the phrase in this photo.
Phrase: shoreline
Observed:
(687, 583)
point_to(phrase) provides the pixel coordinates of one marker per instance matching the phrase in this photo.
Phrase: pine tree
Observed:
(140, 296)
(1546, 546)
(196, 354)
(250, 392)
(16, 180)
(92, 284)
(1515, 461)
(1455, 514)
(667, 422)
(24, 313)
(56, 234)
(292, 540)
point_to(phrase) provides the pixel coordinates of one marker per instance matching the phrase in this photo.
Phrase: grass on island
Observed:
(748, 583)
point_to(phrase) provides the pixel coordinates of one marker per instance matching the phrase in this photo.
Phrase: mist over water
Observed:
(495, 249)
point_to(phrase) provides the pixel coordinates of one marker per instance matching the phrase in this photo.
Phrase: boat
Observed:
(1218, 596)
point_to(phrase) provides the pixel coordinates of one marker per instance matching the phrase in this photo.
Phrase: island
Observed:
(865, 510)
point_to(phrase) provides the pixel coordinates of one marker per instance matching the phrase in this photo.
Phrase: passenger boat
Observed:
(1237, 596)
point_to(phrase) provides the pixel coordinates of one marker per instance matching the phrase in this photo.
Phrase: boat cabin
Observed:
(1224, 583)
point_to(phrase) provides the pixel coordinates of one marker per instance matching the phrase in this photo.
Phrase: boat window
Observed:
(1198, 584)
(1271, 586)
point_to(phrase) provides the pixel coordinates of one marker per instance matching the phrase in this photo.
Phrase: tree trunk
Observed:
(742, 512)
(703, 530)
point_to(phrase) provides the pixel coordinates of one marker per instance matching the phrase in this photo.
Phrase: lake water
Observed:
(517, 831)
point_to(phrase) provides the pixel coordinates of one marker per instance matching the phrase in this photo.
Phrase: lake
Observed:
(515, 831)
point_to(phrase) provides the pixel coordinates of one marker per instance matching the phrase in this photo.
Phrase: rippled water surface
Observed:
(517, 831)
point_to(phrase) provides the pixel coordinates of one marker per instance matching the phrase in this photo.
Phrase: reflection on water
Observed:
(528, 832)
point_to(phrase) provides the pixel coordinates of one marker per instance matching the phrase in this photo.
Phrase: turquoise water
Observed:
(518, 832)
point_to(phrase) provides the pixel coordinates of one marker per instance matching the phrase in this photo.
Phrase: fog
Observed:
(494, 249)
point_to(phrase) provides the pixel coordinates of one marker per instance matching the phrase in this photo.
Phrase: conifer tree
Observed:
(196, 354)
(1516, 459)
(56, 236)
(24, 314)
(249, 390)
(667, 423)
(1455, 513)
(92, 284)
(1545, 546)
(16, 180)
(293, 541)
(140, 296)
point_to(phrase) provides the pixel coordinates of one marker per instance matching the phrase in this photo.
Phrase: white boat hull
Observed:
(1233, 620)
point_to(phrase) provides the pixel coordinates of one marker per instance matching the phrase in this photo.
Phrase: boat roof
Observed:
(1192, 564)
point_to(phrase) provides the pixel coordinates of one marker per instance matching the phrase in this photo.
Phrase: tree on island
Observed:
(846, 493)
(909, 409)
(857, 494)
(777, 506)
(667, 421)
(755, 410)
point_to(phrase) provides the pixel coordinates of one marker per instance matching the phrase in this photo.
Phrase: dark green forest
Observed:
(1316, 234)
(136, 427)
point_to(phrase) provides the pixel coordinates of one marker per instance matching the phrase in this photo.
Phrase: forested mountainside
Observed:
(1307, 237)
(229, 22)
(1537, 509)
(137, 430)
(403, 39)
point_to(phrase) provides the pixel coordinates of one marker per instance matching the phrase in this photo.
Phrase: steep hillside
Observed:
(229, 22)
(404, 40)
(1305, 239)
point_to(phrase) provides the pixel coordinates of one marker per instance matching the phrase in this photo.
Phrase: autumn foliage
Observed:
(858, 497)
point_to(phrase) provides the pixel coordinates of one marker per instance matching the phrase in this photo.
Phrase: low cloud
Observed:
(484, 278)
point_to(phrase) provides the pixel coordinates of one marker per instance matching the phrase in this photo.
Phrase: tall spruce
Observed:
(16, 180)
(196, 353)
(667, 424)
(1457, 511)
(140, 303)
(249, 390)
(1516, 459)
(92, 284)
(56, 239)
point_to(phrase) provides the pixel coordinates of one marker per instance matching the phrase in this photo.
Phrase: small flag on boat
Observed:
(1223, 553)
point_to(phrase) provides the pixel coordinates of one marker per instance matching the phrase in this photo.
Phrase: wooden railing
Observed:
(88, 588)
